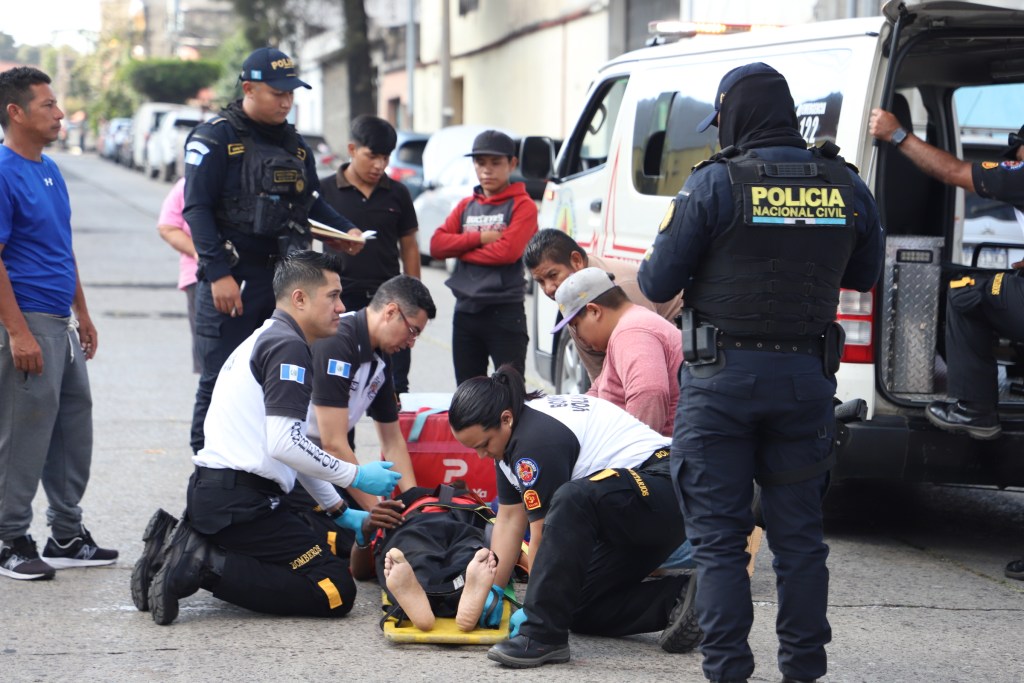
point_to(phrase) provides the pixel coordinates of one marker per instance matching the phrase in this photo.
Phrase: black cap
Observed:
(1014, 140)
(728, 81)
(273, 67)
(493, 143)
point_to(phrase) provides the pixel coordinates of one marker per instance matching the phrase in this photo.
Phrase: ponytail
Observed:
(482, 400)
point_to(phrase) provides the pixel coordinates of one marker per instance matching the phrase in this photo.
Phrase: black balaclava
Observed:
(758, 111)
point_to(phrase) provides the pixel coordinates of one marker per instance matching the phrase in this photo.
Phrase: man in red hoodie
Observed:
(488, 233)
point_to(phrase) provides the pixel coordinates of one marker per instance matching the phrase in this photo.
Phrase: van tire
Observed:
(570, 375)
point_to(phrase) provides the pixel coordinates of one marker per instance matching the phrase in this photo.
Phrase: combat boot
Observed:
(190, 562)
(155, 537)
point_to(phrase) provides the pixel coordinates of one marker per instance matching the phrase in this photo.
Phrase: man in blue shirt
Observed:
(46, 424)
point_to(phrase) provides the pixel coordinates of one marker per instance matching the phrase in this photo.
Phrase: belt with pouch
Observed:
(229, 479)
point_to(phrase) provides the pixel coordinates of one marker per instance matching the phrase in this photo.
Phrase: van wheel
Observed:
(570, 375)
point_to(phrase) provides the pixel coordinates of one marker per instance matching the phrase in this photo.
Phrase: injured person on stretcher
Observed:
(429, 551)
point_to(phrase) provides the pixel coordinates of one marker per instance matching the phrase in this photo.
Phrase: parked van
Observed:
(144, 124)
(635, 143)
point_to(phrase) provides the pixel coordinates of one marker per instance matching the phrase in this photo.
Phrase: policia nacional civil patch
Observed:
(786, 204)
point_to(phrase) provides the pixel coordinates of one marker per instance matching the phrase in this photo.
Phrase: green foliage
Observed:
(266, 22)
(171, 80)
(7, 51)
(231, 53)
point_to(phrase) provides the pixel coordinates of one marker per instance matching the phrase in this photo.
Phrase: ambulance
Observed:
(952, 71)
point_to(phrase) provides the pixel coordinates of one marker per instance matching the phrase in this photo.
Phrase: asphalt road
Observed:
(917, 591)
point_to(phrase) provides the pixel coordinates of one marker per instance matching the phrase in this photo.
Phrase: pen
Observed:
(241, 288)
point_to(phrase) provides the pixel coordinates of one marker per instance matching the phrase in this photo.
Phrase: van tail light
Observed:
(400, 174)
(856, 315)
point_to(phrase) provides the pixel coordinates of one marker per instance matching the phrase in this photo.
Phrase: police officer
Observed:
(976, 306)
(250, 186)
(594, 485)
(240, 539)
(761, 238)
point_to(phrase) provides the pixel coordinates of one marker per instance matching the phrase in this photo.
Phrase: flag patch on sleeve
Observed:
(293, 373)
(339, 368)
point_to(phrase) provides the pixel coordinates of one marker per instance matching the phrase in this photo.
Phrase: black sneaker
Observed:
(80, 551)
(954, 416)
(1015, 570)
(682, 633)
(523, 652)
(19, 559)
(155, 536)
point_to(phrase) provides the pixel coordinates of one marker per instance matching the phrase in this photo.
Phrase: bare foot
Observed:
(479, 579)
(401, 581)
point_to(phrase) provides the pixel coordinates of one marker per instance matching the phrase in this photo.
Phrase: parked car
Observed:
(112, 135)
(169, 137)
(125, 142)
(327, 162)
(144, 124)
(406, 163)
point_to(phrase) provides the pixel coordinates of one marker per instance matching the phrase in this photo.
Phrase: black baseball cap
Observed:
(1014, 140)
(728, 81)
(493, 143)
(273, 67)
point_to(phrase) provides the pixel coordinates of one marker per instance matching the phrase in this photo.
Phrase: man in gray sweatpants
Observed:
(45, 402)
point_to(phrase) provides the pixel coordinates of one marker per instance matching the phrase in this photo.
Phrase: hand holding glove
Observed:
(376, 478)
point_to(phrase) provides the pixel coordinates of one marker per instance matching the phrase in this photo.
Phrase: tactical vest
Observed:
(273, 198)
(774, 272)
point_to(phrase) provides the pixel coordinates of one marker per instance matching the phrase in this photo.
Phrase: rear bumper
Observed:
(899, 448)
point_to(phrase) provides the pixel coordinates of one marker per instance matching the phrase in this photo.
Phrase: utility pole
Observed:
(446, 66)
(410, 68)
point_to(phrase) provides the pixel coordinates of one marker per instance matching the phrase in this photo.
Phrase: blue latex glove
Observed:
(353, 519)
(515, 622)
(376, 479)
(490, 617)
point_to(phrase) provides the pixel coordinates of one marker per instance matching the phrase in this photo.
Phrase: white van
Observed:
(635, 143)
(144, 124)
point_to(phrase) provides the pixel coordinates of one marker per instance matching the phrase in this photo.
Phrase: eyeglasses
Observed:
(413, 331)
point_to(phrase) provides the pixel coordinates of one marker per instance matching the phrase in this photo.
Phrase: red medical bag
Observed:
(437, 458)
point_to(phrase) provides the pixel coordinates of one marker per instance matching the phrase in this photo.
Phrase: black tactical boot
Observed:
(523, 652)
(682, 633)
(955, 416)
(190, 562)
(155, 536)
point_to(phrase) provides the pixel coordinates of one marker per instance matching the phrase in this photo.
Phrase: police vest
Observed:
(273, 197)
(774, 272)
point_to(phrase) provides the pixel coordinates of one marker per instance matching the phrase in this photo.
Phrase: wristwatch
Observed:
(337, 513)
(898, 136)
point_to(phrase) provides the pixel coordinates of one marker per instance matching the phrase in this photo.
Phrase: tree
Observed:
(171, 80)
(361, 93)
(266, 22)
(7, 51)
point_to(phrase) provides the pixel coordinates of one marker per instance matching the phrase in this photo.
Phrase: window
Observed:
(666, 144)
(592, 139)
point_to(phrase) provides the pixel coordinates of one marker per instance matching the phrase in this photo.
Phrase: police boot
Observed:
(682, 633)
(155, 537)
(978, 422)
(190, 562)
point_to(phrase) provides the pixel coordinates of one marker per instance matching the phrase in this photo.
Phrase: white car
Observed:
(163, 144)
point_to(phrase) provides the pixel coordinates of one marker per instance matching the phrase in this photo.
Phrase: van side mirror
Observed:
(537, 157)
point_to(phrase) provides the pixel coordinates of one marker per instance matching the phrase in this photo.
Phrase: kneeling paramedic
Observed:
(239, 538)
(593, 484)
(761, 238)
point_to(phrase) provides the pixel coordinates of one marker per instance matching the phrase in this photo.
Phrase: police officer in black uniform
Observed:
(761, 238)
(250, 185)
(240, 539)
(976, 306)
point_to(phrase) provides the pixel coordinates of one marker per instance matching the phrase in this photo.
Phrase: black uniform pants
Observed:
(438, 547)
(756, 412)
(974, 314)
(217, 334)
(498, 332)
(274, 561)
(602, 539)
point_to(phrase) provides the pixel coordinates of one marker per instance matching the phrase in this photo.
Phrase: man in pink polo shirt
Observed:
(643, 351)
(175, 231)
